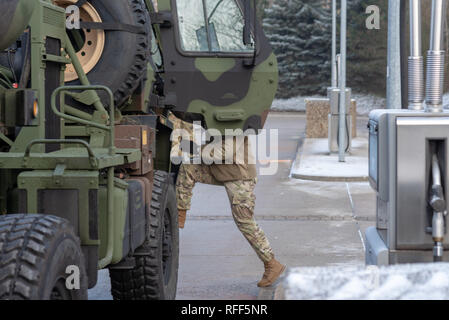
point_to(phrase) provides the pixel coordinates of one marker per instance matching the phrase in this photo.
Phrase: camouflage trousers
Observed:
(242, 200)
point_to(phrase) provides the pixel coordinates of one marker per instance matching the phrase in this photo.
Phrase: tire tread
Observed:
(24, 243)
(143, 282)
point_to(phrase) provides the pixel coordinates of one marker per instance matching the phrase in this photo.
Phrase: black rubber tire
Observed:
(155, 276)
(35, 251)
(124, 61)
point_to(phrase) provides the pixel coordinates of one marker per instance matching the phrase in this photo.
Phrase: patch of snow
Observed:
(409, 282)
(297, 104)
(365, 103)
(368, 102)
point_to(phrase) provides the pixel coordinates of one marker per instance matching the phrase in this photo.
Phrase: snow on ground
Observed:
(400, 282)
(293, 104)
(365, 103)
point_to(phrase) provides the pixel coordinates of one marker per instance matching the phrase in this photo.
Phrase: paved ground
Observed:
(308, 223)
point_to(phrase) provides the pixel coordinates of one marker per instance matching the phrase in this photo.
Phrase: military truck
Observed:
(86, 181)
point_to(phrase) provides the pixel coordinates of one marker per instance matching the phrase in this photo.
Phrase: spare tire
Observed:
(115, 58)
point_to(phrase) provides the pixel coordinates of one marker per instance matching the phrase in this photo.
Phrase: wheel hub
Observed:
(89, 44)
(60, 292)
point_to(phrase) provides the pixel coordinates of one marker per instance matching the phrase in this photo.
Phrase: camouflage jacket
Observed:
(224, 166)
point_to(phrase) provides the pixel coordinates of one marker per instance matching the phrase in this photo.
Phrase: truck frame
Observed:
(86, 179)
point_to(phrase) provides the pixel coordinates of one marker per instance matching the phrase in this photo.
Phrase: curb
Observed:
(272, 293)
(266, 293)
(310, 157)
(329, 179)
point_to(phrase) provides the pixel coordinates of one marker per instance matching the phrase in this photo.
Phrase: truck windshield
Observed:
(223, 31)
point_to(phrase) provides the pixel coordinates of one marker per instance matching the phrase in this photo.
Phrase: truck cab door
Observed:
(209, 70)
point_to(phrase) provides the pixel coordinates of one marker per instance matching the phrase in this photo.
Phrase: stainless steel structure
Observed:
(342, 137)
(409, 161)
(340, 127)
(334, 44)
(435, 59)
(403, 145)
(416, 60)
(394, 97)
(334, 120)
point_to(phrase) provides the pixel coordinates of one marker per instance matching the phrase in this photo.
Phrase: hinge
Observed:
(162, 18)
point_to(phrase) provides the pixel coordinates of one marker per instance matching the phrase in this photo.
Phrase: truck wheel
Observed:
(155, 276)
(115, 58)
(35, 251)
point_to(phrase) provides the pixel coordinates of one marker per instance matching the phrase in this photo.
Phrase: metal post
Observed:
(334, 44)
(435, 59)
(394, 87)
(415, 60)
(343, 129)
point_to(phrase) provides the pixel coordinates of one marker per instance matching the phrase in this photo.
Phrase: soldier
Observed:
(239, 181)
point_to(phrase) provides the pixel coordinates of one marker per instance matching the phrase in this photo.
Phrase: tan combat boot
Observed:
(182, 216)
(273, 270)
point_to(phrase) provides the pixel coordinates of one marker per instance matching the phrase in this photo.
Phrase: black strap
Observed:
(163, 18)
(80, 3)
(109, 26)
(113, 26)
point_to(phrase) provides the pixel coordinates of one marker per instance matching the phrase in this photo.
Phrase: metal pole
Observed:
(404, 35)
(435, 59)
(415, 60)
(334, 44)
(343, 129)
(394, 87)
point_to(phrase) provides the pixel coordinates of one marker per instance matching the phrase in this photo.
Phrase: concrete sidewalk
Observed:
(314, 162)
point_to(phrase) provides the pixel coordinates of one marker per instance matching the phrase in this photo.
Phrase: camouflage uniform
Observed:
(241, 197)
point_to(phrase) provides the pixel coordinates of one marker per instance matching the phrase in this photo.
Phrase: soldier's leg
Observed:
(242, 198)
(188, 176)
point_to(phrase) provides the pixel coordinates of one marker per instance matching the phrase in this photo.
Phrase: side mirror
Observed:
(247, 12)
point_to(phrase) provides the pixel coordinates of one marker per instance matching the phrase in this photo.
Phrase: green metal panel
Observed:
(119, 220)
(213, 68)
(83, 181)
(231, 89)
(164, 5)
(47, 21)
(261, 93)
(73, 158)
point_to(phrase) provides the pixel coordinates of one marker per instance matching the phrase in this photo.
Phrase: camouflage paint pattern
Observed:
(224, 88)
(241, 197)
(259, 97)
(178, 124)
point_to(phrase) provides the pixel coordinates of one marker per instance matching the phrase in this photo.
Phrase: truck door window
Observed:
(226, 26)
(223, 31)
(191, 22)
